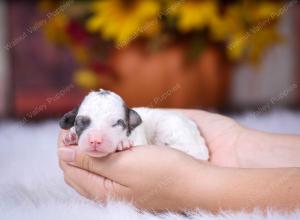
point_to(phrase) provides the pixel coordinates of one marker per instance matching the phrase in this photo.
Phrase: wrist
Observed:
(253, 149)
(245, 149)
(258, 149)
(205, 184)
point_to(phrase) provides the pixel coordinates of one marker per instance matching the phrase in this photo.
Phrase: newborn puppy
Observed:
(103, 124)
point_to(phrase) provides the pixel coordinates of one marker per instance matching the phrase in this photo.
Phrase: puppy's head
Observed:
(101, 122)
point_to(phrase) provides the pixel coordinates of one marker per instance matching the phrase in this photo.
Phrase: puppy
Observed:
(103, 124)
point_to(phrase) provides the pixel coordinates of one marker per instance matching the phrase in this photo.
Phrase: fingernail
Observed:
(66, 154)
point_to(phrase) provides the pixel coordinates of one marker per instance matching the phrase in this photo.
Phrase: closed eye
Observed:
(81, 123)
(121, 123)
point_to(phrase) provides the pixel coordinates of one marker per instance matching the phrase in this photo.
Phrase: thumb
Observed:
(111, 167)
(93, 186)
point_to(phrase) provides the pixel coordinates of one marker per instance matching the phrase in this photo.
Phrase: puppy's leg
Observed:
(124, 145)
(70, 137)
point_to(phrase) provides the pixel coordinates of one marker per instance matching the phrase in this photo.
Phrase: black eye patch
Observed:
(81, 123)
(121, 123)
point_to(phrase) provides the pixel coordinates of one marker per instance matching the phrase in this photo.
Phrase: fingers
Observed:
(62, 134)
(73, 184)
(87, 184)
(114, 166)
(93, 186)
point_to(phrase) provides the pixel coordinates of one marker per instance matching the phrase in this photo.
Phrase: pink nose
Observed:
(94, 140)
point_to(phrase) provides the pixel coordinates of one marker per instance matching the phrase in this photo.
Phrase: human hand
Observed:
(170, 180)
(162, 179)
(232, 145)
(223, 136)
(151, 177)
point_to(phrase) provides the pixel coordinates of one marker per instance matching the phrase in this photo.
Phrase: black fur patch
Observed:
(81, 123)
(68, 120)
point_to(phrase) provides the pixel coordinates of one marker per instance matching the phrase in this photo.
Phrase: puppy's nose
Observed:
(94, 140)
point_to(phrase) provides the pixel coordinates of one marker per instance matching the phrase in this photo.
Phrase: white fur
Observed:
(169, 128)
(104, 111)
(32, 186)
(158, 127)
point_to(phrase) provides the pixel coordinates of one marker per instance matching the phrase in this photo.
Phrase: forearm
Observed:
(262, 149)
(246, 189)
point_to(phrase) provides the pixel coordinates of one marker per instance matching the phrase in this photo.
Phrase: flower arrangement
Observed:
(92, 29)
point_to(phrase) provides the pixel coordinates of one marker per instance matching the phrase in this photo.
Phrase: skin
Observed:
(166, 179)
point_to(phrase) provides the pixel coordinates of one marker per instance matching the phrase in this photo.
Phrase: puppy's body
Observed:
(169, 128)
(104, 124)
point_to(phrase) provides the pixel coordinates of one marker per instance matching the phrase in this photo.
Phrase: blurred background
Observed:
(240, 58)
(227, 56)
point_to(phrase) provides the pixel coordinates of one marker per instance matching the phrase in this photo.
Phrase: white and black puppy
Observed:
(103, 124)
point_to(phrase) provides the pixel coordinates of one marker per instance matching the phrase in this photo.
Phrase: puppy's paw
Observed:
(70, 138)
(124, 145)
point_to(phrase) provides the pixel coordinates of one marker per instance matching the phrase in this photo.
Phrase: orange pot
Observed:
(164, 78)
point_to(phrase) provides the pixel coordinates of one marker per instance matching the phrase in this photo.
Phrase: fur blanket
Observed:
(32, 186)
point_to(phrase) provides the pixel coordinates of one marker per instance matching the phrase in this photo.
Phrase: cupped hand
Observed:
(223, 135)
(151, 177)
(154, 177)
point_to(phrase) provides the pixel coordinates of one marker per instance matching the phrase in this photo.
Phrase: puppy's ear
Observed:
(68, 120)
(133, 118)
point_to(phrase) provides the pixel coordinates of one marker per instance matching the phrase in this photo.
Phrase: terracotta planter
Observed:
(165, 79)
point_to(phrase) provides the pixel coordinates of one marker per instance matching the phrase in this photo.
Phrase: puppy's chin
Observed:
(99, 153)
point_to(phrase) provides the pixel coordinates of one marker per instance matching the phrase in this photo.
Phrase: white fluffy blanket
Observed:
(32, 186)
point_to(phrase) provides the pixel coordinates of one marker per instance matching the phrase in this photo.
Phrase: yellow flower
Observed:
(247, 28)
(122, 23)
(237, 44)
(81, 53)
(45, 5)
(266, 10)
(252, 45)
(55, 28)
(87, 79)
(223, 27)
(195, 15)
(260, 41)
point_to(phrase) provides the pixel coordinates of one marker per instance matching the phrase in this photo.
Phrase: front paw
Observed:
(124, 145)
(70, 138)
